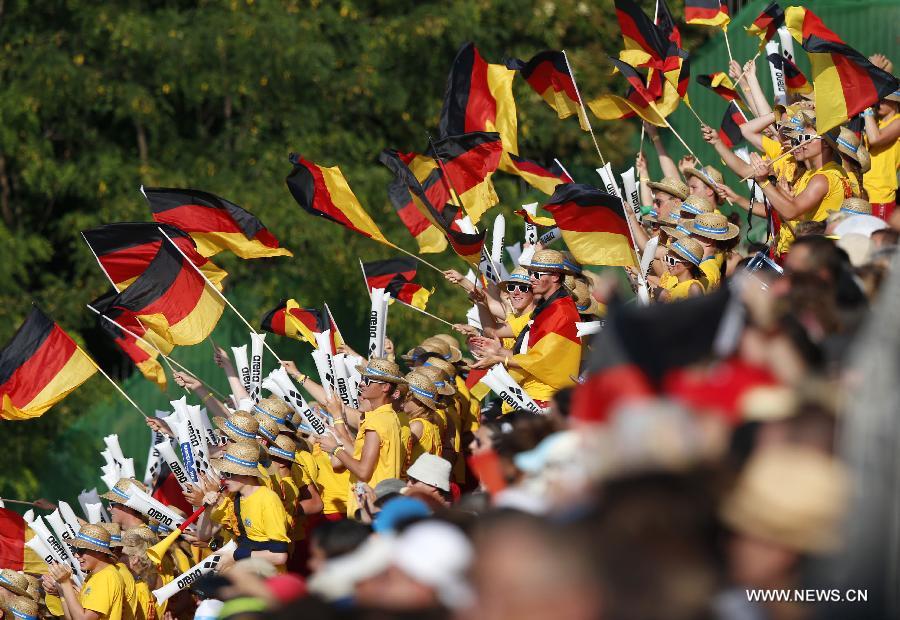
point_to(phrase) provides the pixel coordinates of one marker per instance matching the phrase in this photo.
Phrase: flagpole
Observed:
(694, 112)
(3, 500)
(116, 385)
(779, 158)
(218, 292)
(583, 109)
(559, 163)
(415, 256)
(425, 312)
(727, 42)
(154, 347)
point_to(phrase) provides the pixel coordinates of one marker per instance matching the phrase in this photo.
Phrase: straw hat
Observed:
(381, 369)
(713, 226)
(14, 582)
(518, 276)
(282, 448)
(450, 340)
(444, 366)
(439, 379)
(709, 175)
(93, 537)
(23, 608)
(569, 260)
(276, 409)
(115, 533)
(241, 426)
(849, 144)
(423, 389)
(432, 470)
(439, 345)
(673, 225)
(695, 205)
(136, 540)
(671, 185)
(688, 249)
(241, 458)
(550, 260)
(792, 496)
(34, 587)
(268, 428)
(584, 302)
(119, 493)
(894, 96)
(856, 206)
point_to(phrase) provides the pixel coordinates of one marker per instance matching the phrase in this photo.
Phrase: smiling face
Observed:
(519, 299)
(544, 283)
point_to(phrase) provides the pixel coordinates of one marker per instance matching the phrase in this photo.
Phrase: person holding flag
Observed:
(882, 129)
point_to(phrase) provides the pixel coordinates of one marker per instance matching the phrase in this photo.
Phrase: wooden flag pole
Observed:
(425, 312)
(779, 158)
(219, 293)
(3, 500)
(415, 256)
(583, 109)
(727, 42)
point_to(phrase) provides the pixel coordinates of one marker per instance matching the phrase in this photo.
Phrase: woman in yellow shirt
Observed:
(420, 404)
(883, 138)
(683, 260)
(717, 236)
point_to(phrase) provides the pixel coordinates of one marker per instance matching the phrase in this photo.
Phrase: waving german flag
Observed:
(720, 84)
(467, 246)
(324, 192)
(39, 367)
(143, 351)
(214, 223)
(706, 13)
(548, 75)
(468, 162)
(125, 250)
(646, 45)
(291, 320)
(730, 129)
(14, 533)
(593, 225)
(844, 80)
(794, 80)
(543, 178)
(172, 299)
(637, 100)
(767, 24)
(429, 238)
(479, 98)
(665, 21)
(396, 276)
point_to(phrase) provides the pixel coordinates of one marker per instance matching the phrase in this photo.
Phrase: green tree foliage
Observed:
(100, 97)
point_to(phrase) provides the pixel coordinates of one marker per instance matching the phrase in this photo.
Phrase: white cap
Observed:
(432, 470)
(437, 555)
(208, 609)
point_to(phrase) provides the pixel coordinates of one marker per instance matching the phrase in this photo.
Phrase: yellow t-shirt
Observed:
(667, 281)
(712, 270)
(838, 190)
(104, 593)
(131, 610)
(289, 491)
(468, 405)
(384, 423)
(406, 441)
(881, 179)
(516, 324)
(54, 605)
(262, 513)
(429, 442)
(785, 168)
(333, 487)
(146, 602)
(681, 290)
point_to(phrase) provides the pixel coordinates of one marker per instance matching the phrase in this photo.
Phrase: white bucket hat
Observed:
(432, 470)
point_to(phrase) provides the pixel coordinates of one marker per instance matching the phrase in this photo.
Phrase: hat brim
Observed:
(662, 187)
(235, 468)
(683, 256)
(220, 421)
(455, 355)
(88, 546)
(112, 498)
(384, 379)
(708, 182)
(268, 450)
(732, 232)
(14, 589)
(672, 232)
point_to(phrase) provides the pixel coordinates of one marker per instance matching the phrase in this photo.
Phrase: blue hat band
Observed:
(439, 384)
(265, 433)
(653, 213)
(380, 373)
(853, 211)
(690, 208)
(19, 614)
(691, 256)
(239, 431)
(274, 417)
(519, 276)
(283, 453)
(92, 540)
(716, 230)
(421, 392)
(5, 580)
(582, 308)
(119, 493)
(847, 145)
(682, 229)
(115, 538)
(561, 266)
(234, 459)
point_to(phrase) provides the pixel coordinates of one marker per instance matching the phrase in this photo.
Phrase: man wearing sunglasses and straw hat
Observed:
(378, 451)
(102, 596)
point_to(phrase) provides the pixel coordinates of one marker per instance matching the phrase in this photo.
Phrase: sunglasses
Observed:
(225, 475)
(522, 288)
(537, 275)
(671, 261)
(370, 381)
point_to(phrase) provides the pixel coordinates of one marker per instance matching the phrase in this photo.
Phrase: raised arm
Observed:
(669, 169)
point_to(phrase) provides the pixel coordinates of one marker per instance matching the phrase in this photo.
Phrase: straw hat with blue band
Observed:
(276, 409)
(453, 343)
(670, 224)
(115, 533)
(672, 186)
(282, 448)
(848, 144)
(450, 371)
(518, 276)
(713, 226)
(708, 175)
(268, 429)
(447, 351)
(550, 261)
(119, 494)
(695, 205)
(437, 376)
(241, 426)
(93, 537)
(14, 582)
(381, 369)
(856, 206)
(422, 388)
(23, 608)
(241, 458)
(688, 249)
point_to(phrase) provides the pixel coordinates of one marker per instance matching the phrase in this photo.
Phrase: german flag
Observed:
(535, 220)
(543, 178)
(593, 225)
(468, 246)
(635, 79)
(479, 97)
(845, 82)
(125, 250)
(467, 162)
(142, 354)
(720, 84)
(665, 21)
(646, 45)
(171, 299)
(39, 367)
(290, 320)
(14, 555)
(794, 80)
(336, 338)
(767, 24)
(324, 192)
(214, 223)
(730, 129)
(396, 276)
(613, 108)
(548, 75)
(706, 13)
(428, 237)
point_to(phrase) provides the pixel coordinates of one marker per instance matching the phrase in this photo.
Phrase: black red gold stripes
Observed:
(706, 13)
(396, 275)
(730, 129)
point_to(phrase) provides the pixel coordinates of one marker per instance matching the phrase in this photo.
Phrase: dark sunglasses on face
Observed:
(225, 475)
(804, 137)
(369, 381)
(522, 288)
(671, 261)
